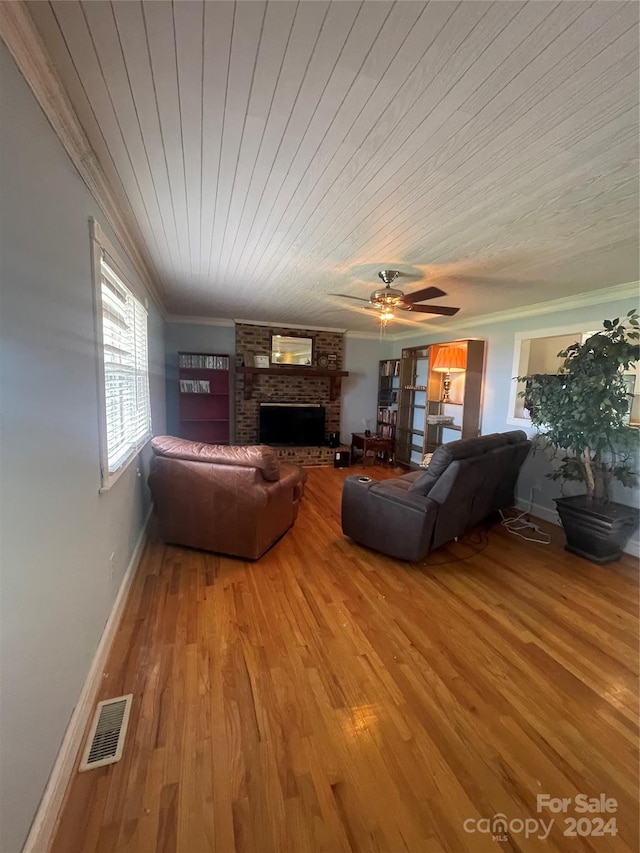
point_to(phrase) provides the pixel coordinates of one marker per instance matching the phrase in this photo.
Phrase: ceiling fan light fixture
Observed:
(389, 299)
(386, 296)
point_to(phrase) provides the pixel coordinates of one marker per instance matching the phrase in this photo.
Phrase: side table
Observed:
(373, 444)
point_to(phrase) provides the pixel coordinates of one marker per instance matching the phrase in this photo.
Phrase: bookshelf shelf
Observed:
(424, 419)
(203, 383)
(388, 397)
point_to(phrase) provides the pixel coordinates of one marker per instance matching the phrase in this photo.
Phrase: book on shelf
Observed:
(195, 386)
(390, 368)
(203, 362)
(387, 431)
(387, 416)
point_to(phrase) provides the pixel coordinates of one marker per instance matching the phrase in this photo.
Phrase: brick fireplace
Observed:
(272, 388)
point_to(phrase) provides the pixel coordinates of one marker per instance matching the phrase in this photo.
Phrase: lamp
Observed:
(449, 360)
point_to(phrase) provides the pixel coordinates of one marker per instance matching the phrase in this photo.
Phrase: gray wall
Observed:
(500, 338)
(360, 388)
(56, 531)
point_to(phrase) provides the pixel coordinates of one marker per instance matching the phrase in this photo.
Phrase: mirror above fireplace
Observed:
(292, 350)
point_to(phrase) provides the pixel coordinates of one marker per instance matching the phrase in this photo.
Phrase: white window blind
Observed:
(126, 375)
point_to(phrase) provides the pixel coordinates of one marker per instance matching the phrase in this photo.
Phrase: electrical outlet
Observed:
(112, 566)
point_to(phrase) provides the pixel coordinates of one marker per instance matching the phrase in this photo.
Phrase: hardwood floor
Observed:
(327, 698)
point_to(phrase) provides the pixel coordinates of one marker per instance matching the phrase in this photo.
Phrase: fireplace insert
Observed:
(297, 424)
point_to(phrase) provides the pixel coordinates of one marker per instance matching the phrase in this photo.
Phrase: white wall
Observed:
(56, 531)
(500, 338)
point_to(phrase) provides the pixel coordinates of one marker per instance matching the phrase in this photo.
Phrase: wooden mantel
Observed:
(334, 377)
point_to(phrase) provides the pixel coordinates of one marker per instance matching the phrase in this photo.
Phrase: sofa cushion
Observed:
(261, 457)
(399, 483)
(444, 455)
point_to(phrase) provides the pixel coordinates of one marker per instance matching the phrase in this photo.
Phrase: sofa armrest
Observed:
(290, 478)
(410, 500)
(388, 518)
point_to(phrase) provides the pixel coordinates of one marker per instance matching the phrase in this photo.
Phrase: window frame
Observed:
(521, 339)
(102, 250)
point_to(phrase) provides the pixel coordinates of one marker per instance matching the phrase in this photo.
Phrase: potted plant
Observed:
(582, 414)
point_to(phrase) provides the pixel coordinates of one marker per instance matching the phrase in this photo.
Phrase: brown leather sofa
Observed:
(233, 500)
(466, 482)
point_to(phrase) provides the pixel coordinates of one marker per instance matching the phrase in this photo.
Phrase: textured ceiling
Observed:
(276, 153)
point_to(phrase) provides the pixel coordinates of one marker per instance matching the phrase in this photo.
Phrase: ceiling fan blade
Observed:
(430, 309)
(425, 293)
(346, 296)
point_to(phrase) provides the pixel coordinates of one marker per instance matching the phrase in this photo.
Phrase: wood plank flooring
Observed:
(327, 698)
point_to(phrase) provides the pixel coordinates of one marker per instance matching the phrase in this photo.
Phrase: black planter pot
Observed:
(594, 530)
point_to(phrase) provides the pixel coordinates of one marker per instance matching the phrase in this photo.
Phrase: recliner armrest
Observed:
(388, 518)
(411, 500)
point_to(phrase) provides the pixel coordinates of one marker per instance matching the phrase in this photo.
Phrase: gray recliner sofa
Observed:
(408, 516)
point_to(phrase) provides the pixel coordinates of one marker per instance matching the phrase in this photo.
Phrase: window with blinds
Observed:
(126, 374)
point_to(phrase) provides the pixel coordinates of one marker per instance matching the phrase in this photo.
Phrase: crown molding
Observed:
(425, 330)
(369, 336)
(564, 303)
(629, 290)
(25, 45)
(310, 328)
(222, 321)
(185, 319)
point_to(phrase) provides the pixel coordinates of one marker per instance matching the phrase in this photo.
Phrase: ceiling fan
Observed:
(387, 299)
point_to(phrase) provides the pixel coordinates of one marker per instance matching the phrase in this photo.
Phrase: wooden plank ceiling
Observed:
(276, 153)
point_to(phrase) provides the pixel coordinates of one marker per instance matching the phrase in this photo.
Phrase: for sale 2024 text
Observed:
(595, 810)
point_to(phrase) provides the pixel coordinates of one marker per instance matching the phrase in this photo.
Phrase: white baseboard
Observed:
(632, 547)
(539, 511)
(44, 823)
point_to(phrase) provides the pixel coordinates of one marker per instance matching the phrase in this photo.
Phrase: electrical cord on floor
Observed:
(479, 537)
(476, 538)
(516, 523)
